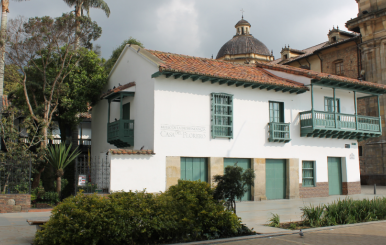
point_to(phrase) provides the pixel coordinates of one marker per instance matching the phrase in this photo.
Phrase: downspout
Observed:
(321, 62)
(359, 58)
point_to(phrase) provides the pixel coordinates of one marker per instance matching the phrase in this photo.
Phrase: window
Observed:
(242, 28)
(286, 56)
(222, 115)
(339, 68)
(276, 112)
(194, 168)
(333, 39)
(308, 173)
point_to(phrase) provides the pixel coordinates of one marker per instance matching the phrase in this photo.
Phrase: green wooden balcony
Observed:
(121, 133)
(279, 132)
(338, 125)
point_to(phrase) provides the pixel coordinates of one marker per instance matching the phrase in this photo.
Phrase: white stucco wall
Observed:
(132, 67)
(172, 117)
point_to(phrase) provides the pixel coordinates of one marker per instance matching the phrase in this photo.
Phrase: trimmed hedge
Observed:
(186, 212)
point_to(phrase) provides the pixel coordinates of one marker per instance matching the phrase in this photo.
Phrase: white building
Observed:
(194, 116)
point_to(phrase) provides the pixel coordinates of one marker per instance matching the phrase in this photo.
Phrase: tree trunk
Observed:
(234, 203)
(78, 13)
(2, 42)
(36, 177)
(59, 185)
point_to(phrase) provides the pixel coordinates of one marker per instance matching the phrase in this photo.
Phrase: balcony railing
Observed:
(279, 132)
(339, 125)
(121, 133)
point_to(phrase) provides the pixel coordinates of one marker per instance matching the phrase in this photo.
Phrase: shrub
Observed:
(185, 212)
(274, 220)
(345, 211)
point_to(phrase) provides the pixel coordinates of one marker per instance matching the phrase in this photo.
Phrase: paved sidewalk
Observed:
(15, 230)
(256, 214)
(371, 233)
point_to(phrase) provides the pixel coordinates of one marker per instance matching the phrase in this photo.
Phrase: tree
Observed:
(59, 157)
(117, 52)
(81, 5)
(21, 145)
(233, 184)
(38, 44)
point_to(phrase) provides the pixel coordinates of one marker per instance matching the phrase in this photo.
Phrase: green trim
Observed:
(116, 97)
(229, 82)
(348, 86)
(222, 112)
(279, 132)
(313, 172)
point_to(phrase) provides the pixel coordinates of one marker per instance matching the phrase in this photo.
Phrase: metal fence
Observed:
(92, 174)
(15, 176)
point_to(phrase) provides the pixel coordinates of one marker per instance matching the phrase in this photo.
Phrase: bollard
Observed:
(375, 189)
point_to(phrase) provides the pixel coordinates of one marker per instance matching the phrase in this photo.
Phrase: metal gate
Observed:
(92, 174)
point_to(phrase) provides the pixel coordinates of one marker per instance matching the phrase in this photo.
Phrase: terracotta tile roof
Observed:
(317, 75)
(130, 152)
(118, 89)
(220, 69)
(328, 45)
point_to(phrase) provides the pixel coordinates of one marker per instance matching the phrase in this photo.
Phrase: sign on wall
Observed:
(352, 156)
(181, 131)
(82, 180)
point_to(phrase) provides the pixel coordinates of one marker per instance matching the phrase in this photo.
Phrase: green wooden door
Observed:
(334, 176)
(194, 168)
(126, 111)
(275, 178)
(245, 164)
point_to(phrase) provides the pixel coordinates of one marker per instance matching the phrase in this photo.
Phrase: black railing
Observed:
(92, 174)
(15, 176)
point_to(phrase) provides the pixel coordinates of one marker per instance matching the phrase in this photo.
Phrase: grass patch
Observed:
(347, 211)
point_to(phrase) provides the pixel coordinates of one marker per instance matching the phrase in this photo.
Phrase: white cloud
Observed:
(178, 27)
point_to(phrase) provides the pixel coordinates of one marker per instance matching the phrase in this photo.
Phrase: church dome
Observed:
(243, 44)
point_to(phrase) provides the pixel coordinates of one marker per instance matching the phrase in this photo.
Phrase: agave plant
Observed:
(59, 157)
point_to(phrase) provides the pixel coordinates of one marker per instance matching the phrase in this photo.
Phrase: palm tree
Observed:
(59, 157)
(81, 5)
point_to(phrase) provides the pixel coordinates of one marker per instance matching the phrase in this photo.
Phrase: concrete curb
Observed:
(290, 232)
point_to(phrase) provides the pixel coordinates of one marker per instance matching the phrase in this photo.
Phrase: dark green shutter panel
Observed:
(126, 111)
(194, 168)
(275, 178)
(245, 164)
(334, 176)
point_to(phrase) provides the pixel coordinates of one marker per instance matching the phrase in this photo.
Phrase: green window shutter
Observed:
(126, 111)
(329, 104)
(222, 115)
(194, 168)
(276, 112)
(308, 174)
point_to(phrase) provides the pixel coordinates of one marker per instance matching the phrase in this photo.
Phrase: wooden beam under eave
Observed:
(184, 77)
(215, 80)
(177, 75)
(231, 83)
(285, 90)
(169, 75)
(247, 85)
(256, 86)
(205, 79)
(270, 88)
(195, 78)
(239, 84)
(224, 81)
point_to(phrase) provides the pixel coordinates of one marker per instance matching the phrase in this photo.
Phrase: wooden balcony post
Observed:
(312, 104)
(379, 115)
(335, 108)
(121, 109)
(356, 110)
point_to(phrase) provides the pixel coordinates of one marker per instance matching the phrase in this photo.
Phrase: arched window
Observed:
(242, 28)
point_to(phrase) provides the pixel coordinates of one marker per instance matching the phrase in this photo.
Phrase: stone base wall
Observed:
(350, 188)
(15, 203)
(320, 190)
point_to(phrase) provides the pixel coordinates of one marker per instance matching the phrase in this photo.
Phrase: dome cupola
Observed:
(243, 47)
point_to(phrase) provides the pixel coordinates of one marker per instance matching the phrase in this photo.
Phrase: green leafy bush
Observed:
(345, 211)
(185, 212)
(274, 220)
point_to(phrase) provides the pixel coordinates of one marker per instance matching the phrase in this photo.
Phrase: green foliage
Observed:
(274, 220)
(233, 185)
(185, 212)
(345, 211)
(88, 188)
(117, 52)
(63, 184)
(50, 198)
(59, 156)
(293, 226)
(12, 79)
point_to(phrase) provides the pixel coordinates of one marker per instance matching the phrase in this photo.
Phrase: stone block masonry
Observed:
(15, 203)
(320, 190)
